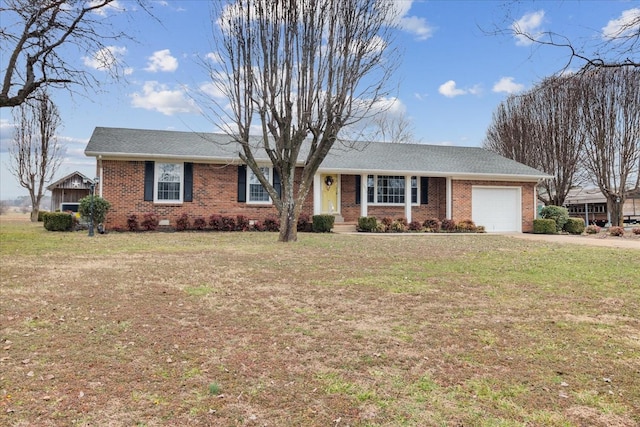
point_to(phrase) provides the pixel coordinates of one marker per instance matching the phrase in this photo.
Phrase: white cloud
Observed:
(417, 26)
(214, 57)
(450, 90)
(162, 61)
(114, 6)
(106, 58)
(507, 85)
(158, 97)
(528, 28)
(626, 25)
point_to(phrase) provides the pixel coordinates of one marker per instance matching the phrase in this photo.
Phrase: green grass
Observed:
(373, 331)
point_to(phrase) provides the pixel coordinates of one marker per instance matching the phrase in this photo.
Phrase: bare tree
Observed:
(35, 154)
(619, 45)
(611, 115)
(542, 129)
(33, 33)
(393, 128)
(300, 72)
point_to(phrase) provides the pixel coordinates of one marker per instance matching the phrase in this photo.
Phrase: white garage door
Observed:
(497, 208)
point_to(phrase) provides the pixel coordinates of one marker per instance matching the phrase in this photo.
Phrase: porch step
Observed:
(344, 227)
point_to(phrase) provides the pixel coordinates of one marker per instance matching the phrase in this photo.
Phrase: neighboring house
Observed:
(67, 192)
(170, 173)
(591, 205)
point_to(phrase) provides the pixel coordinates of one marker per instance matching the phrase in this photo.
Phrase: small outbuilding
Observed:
(67, 192)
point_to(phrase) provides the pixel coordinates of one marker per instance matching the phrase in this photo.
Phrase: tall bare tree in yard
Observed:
(542, 129)
(35, 154)
(611, 114)
(34, 35)
(299, 72)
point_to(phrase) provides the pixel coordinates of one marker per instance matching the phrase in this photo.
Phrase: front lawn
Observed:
(201, 329)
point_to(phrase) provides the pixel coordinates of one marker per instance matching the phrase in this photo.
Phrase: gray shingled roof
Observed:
(374, 157)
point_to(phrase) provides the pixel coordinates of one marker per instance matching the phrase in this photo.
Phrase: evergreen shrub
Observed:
(323, 223)
(544, 226)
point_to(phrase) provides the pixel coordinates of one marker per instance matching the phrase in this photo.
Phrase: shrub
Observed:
(574, 226)
(272, 223)
(228, 223)
(381, 228)
(466, 226)
(387, 221)
(636, 231)
(150, 222)
(41, 215)
(398, 226)
(304, 222)
(182, 223)
(544, 226)
(557, 213)
(367, 224)
(100, 209)
(242, 223)
(132, 222)
(58, 221)
(592, 229)
(432, 224)
(323, 223)
(448, 225)
(616, 231)
(259, 226)
(415, 226)
(215, 222)
(480, 229)
(199, 223)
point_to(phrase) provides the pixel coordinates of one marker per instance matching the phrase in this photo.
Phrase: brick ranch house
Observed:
(170, 173)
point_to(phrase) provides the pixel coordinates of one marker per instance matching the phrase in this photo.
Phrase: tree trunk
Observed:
(34, 214)
(614, 204)
(288, 223)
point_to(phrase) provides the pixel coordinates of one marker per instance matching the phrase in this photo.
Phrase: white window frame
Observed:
(375, 191)
(156, 181)
(251, 175)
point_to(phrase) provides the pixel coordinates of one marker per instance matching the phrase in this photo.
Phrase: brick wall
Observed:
(215, 191)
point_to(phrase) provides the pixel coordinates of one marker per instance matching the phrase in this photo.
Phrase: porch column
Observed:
(449, 192)
(364, 197)
(317, 195)
(407, 198)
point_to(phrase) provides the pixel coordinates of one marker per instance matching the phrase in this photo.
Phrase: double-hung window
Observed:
(255, 190)
(168, 182)
(390, 189)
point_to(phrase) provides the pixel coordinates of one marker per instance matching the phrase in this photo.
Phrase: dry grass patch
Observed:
(236, 329)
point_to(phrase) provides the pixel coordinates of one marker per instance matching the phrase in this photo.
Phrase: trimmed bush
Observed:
(544, 226)
(304, 222)
(592, 229)
(367, 224)
(58, 221)
(557, 213)
(41, 215)
(574, 226)
(100, 209)
(182, 223)
(132, 222)
(399, 225)
(448, 225)
(432, 224)
(199, 223)
(150, 222)
(415, 226)
(616, 231)
(323, 223)
(259, 226)
(242, 223)
(271, 223)
(215, 222)
(636, 231)
(466, 226)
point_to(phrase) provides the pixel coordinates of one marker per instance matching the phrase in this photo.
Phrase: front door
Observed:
(329, 184)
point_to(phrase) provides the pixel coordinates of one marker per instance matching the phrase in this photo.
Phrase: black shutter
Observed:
(149, 167)
(242, 183)
(358, 189)
(424, 190)
(188, 182)
(277, 184)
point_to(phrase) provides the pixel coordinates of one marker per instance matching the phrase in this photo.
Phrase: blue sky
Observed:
(456, 68)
